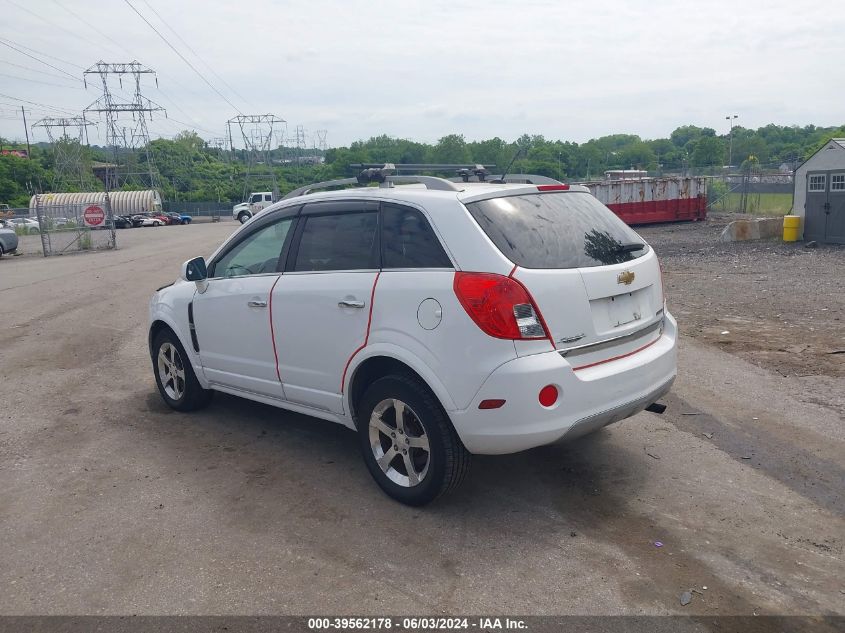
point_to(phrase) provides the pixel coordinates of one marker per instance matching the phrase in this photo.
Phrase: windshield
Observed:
(557, 230)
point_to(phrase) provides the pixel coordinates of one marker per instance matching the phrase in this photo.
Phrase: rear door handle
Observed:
(255, 303)
(350, 303)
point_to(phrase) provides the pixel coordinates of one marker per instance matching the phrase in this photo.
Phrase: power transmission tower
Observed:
(69, 164)
(320, 140)
(257, 131)
(126, 120)
(220, 145)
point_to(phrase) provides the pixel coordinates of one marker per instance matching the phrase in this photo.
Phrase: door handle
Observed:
(350, 303)
(255, 303)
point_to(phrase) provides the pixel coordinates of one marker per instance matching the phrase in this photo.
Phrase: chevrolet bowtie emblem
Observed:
(626, 278)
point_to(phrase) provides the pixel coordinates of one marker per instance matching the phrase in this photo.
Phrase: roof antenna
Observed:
(501, 179)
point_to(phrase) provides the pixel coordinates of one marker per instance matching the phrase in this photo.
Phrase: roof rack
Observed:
(382, 174)
(524, 179)
(464, 170)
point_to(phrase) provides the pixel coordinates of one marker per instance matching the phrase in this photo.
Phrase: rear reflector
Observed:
(548, 395)
(552, 187)
(490, 404)
(500, 306)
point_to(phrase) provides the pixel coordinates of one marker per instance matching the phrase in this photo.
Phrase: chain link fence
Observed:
(81, 226)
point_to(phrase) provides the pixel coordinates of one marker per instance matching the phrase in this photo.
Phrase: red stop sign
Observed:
(94, 215)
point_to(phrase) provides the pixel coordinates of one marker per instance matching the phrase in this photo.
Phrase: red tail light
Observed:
(552, 187)
(499, 305)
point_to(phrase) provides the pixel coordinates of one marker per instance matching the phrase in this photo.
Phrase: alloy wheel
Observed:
(171, 371)
(399, 442)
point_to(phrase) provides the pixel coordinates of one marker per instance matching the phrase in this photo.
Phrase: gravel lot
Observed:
(110, 503)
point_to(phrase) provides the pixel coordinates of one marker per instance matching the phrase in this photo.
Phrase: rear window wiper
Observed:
(630, 246)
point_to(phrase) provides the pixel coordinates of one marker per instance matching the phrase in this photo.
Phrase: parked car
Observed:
(8, 241)
(144, 219)
(27, 225)
(436, 322)
(122, 222)
(179, 218)
(7, 224)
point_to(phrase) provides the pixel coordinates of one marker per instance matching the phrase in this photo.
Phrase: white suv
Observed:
(435, 321)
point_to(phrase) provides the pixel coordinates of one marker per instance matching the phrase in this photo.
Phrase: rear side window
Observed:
(408, 240)
(557, 230)
(338, 242)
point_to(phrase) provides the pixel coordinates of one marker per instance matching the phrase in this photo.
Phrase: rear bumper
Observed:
(588, 399)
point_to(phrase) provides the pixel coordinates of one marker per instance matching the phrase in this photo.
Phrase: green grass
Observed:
(758, 204)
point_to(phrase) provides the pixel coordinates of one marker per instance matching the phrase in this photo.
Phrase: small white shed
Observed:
(819, 193)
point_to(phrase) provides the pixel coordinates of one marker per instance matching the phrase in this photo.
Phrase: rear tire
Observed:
(414, 457)
(177, 383)
(2, 252)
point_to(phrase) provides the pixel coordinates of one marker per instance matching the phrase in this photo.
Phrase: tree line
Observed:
(191, 170)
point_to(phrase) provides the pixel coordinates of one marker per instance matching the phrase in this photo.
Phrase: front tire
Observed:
(177, 383)
(408, 442)
(243, 217)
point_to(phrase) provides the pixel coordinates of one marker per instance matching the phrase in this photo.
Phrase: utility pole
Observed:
(559, 154)
(730, 119)
(25, 129)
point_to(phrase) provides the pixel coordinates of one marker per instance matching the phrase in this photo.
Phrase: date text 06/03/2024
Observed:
(415, 623)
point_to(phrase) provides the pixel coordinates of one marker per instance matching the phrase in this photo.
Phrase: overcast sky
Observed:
(567, 70)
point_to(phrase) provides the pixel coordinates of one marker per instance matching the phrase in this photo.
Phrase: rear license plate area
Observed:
(623, 309)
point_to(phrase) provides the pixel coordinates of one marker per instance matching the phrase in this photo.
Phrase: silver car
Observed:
(8, 241)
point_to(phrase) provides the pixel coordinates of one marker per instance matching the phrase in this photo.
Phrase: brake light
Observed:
(552, 187)
(499, 305)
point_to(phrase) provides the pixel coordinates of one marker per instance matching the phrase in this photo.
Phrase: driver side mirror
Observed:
(194, 270)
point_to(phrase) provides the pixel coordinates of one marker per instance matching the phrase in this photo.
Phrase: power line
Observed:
(46, 83)
(197, 55)
(37, 52)
(94, 28)
(34, 70)
(182, 57)
(40, 61)
(45, 20)
(33, 110)
(133, 56)
(40, 105)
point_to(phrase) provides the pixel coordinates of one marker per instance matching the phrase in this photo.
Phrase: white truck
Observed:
(253, 206)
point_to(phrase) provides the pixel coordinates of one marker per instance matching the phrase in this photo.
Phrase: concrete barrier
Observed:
(756, 229)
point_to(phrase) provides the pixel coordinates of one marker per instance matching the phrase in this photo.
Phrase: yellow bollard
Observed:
(791, 228)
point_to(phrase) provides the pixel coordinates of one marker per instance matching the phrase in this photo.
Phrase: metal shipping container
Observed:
(649, 200)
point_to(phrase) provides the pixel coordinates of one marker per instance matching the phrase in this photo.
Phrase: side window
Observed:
(268, 197)
(338, 242)
(408, 241)
(259, 253)
(255, 198)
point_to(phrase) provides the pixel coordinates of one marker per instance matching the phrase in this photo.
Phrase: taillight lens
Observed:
(499, 305)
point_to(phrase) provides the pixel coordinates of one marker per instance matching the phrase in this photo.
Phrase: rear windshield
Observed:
(557, 230)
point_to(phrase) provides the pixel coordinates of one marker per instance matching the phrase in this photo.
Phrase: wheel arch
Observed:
(162, 323)
(384, 361)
